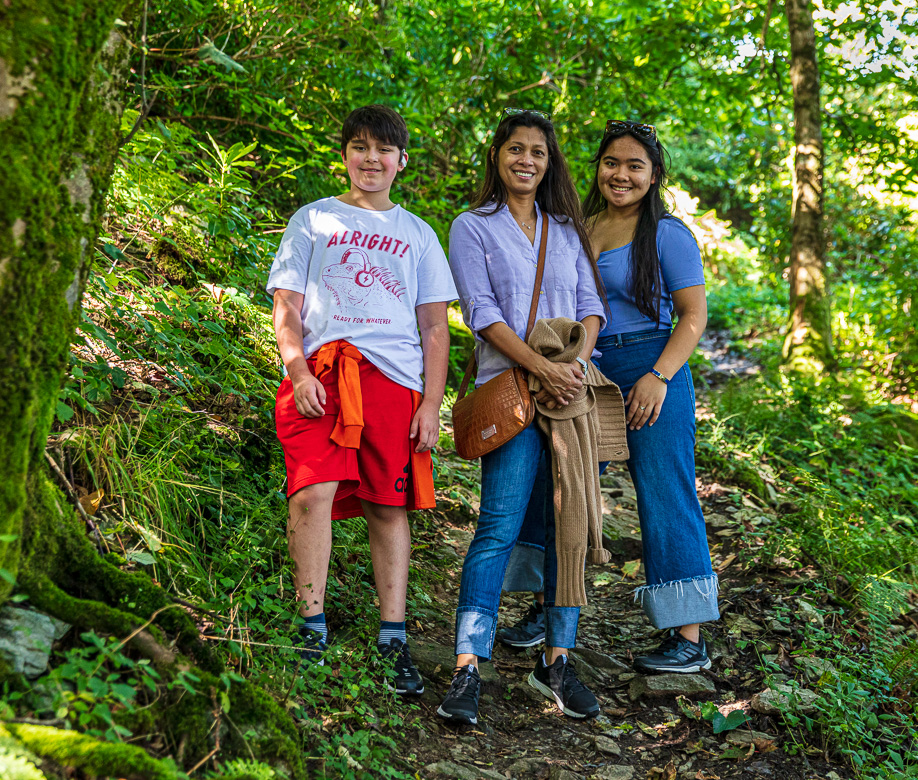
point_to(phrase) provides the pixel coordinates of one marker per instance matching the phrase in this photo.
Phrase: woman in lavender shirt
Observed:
(493, 257)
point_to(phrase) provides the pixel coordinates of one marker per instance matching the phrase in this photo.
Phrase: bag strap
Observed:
(533, 307)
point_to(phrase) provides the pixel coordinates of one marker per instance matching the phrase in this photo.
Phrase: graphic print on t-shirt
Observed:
(354, 281)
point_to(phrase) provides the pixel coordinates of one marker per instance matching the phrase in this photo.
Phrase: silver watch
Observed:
(583, 364)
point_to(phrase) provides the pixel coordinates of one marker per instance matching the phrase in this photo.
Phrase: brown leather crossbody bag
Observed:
(502, 407)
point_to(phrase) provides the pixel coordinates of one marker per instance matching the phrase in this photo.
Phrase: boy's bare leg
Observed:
(390, 550)
(309, 537)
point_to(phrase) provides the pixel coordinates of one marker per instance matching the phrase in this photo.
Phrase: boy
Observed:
(354, 280)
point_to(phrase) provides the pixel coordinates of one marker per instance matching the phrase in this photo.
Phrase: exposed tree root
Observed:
(106, 759)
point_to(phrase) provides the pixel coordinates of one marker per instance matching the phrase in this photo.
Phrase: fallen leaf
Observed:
(727, 561)
(764, 745)
(668, 772)
(631, 568)
(92, 502)
(702, 775)
(650, 731)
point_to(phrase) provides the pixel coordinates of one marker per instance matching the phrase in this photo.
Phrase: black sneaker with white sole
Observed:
(560, 682)
(408, 680)
(461, 702)
(528, 632)
(312, 648)
(675, 654)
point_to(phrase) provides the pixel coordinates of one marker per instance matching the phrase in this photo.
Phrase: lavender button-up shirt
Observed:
(494, 267)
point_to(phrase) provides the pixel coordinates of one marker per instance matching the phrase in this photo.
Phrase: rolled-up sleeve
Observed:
(469, 265)
(589, 302)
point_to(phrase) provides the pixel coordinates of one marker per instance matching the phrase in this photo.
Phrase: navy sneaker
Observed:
(528, 632)
(408, 680)
(312, 648)
(461, 702)
(560, 682)
(675, 654)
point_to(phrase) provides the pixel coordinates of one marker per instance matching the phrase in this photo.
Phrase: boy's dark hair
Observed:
(375, 121)
(644, 261)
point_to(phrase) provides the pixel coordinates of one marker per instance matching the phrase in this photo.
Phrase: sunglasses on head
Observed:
(620, 126)
(517, 111)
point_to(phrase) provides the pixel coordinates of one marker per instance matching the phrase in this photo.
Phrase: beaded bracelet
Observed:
(659, 376)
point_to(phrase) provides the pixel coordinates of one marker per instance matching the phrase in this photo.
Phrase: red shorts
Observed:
(378, 471)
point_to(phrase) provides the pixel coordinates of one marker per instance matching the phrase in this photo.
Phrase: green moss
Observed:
(178, 254)
(92, 756)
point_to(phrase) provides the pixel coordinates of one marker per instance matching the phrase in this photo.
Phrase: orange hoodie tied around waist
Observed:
(349, 425)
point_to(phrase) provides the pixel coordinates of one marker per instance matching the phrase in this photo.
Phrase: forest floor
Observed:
(649, 727)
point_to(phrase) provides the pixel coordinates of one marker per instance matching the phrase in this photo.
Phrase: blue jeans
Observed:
(508, 479)
(527, 559)
(681, 586)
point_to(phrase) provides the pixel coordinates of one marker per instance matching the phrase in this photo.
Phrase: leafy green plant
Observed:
(720, 722)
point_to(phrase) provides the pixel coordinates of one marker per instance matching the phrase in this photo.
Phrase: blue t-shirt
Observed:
(680, 265)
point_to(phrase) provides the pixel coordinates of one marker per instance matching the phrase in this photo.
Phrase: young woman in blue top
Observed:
(651, 269)
(493, 253)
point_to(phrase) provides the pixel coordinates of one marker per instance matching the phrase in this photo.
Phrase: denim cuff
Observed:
(525, 569)
(561, 626)
(475, 632)
(680, 602)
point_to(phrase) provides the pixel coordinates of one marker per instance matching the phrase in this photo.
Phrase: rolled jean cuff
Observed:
(680, 602)
(475, 632)
(561, 626)
(524, 571)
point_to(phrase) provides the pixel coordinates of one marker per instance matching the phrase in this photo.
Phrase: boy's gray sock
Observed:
(389, 630)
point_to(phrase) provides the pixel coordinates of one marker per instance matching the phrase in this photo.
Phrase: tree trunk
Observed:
(808, 346)
(59, 123)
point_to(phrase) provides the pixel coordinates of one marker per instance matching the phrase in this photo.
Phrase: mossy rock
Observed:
(180, 254)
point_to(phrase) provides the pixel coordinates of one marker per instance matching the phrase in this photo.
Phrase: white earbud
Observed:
(404, 161)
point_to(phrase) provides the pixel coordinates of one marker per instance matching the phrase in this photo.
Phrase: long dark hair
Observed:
(556, 194)
(644, 268)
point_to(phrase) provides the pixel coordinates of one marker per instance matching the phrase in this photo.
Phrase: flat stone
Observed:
(620, 772)
(814, 667)
(26, 637)
(781, 698)
(557, 773)
(455, 771)
(524, 768)
(779, 628)
(599, 660)
(670, 685)
(740, 624)
(607, 745)
(746, 737)
(437, 662)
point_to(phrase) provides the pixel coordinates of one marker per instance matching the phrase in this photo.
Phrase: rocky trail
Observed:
(655, 727)
(650, 727)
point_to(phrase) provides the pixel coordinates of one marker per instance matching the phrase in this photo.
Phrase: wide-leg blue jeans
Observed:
(508, 476)
(681, 586)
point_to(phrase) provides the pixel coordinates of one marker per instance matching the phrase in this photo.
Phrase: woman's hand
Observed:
(561, 380)
(544, 398)
(644, 402)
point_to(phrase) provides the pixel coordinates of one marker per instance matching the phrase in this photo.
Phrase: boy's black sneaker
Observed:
(461, 702)
(408, 680)
(312, 648)
(559, 682)
(530, 631)
(675, 654)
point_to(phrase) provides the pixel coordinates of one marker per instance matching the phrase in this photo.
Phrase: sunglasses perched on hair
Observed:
(517, 111)
(619, 126)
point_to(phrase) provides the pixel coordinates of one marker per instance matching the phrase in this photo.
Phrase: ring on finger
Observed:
(642, 408)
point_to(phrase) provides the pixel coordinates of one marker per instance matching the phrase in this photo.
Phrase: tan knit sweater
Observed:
(590, 429)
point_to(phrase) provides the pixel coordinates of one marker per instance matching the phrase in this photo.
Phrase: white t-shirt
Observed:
(362, 274)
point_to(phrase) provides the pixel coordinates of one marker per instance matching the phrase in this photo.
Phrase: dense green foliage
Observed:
(232, 124)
